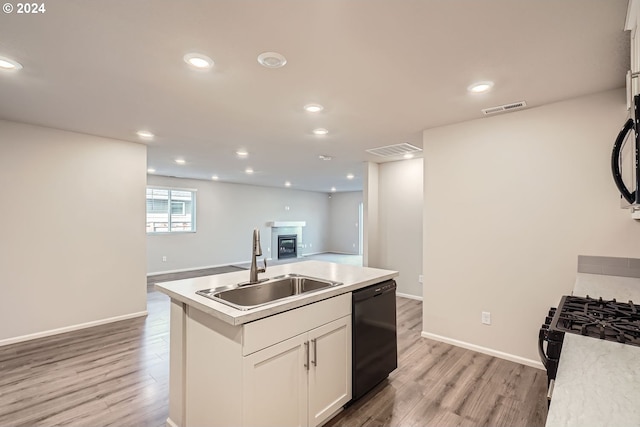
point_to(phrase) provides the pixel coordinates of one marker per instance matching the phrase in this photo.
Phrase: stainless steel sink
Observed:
(275, 289)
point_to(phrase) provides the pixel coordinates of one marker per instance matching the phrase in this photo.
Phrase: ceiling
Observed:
(383, 70)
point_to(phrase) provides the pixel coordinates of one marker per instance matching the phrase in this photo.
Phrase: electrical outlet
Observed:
(164, 258)
(420, 278)
(486, 318)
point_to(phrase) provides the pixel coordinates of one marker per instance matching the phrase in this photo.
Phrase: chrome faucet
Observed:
(256, 251)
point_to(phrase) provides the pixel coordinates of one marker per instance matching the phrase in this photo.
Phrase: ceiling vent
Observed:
(394, 150)
(504, 108)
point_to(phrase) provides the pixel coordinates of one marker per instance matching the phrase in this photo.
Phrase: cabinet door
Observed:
(330, 369)
(275, 385)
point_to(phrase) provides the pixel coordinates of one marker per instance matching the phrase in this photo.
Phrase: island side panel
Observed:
(213, 374)
(176, 364)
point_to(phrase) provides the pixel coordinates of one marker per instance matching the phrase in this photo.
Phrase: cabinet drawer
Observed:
(274, 329)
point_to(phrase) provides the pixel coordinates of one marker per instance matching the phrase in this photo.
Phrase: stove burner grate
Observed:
(604, 319)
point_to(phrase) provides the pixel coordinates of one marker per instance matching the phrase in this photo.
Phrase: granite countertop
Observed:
(352, 278)
(598, 382)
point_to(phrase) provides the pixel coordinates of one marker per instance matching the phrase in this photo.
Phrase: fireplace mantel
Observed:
(286, 224)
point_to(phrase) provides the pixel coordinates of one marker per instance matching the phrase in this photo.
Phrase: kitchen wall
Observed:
(371, 249)
(510, 202)
(344, 222)
(72, 252)
(400, 197)
(226, 215)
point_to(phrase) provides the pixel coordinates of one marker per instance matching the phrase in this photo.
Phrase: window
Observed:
(177, 208)
(170, 210)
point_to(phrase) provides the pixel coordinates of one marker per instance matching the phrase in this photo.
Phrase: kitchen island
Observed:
(284, 363)
(598, 381)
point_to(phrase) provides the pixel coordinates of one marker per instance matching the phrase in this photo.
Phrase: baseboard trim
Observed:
(181, 270)
(226, 264)
(71, 328)
(415, 297)
(334, 252)
(485, 350)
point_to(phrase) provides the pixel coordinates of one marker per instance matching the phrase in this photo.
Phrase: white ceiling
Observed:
(384, 71)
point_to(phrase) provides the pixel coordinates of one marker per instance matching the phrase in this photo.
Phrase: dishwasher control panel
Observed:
(385, 286)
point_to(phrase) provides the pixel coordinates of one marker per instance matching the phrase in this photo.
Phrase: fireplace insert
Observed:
(287, 246)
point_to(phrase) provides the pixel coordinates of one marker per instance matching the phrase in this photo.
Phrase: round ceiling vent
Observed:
(272, 60)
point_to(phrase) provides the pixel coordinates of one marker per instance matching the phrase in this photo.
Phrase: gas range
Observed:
(609, 320)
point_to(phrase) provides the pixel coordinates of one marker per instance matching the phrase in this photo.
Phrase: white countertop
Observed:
(622, 289)
(352, 277)
(598, 381)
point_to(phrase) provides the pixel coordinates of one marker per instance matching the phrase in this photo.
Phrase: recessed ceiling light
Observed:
(215, 177)
(480, 87)
(272, 60)
(287, 184)
(151, 170)
(350, 176)
(248, 171)
(313, 108)
(333, 189)
(181, 161)
(145, 134)
(8, 64)
(198, 61)
(323, 157)
(320, 131)
(242, 153)
(408, 155)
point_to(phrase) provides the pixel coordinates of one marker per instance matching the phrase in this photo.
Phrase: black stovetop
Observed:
(605, 319)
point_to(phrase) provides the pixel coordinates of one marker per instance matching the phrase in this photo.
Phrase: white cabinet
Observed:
(301, 381)
(329, 370)
(289, 369)
(631, 25)
(275, 385)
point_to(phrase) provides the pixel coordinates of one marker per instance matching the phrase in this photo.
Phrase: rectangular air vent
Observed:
(504, 108)
(394, 150)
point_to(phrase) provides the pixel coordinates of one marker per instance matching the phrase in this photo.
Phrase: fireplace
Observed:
(287, 246)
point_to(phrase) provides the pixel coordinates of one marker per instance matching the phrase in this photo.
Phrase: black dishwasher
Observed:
(375, 347)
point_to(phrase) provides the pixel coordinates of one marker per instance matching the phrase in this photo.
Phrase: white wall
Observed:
(370, 252)
(73, 241)
(344, 210)
(226, 216)
(509, 203)
(400, 222)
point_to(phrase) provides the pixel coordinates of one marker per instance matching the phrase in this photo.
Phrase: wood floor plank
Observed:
(437, 384)
(118, 375)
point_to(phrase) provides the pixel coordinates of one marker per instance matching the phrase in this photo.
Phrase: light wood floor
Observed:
(437, 384)
(108, 375)
(117, 375)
